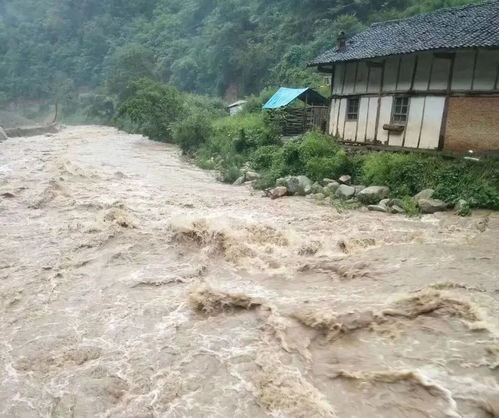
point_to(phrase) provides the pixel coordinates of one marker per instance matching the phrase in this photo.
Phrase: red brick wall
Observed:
(472, 124)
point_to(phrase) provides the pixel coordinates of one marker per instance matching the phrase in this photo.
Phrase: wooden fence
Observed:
(296, 121)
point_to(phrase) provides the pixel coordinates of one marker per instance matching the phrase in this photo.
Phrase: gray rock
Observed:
(305, 187)
(373, 194)
(278, 192)
(281, 182)
(3, 135)
(296, 185)
(345, 192)
(424, 194)
(396, 209)
(319, 196)
(316, 188)
(358, 189)
(395, 202)
(384, 202)
(345, 179)
(462, 208)
(326, 181)
(330, 188)
(377, 208)
(239, 181)
(251, 175)
(432, 205)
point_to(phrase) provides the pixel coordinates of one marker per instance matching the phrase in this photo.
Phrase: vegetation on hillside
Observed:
(54, 49)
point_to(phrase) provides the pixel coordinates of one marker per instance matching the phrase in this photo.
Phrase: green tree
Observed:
(129, 63)
(151, 109)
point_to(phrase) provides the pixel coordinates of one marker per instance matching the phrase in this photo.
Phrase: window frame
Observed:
(353, 116)
(396, 115)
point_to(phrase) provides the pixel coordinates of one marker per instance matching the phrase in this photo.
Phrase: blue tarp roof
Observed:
(285, 96)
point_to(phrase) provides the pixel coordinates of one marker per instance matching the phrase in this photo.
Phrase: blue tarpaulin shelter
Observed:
(285, 96)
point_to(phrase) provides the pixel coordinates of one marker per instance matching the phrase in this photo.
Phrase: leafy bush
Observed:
(318, 168)
(452, 180)
(475, 182)
(151, 109)
(314, 155)
(405, 174)
(190, 133)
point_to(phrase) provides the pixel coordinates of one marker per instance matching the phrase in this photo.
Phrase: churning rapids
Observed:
(132, 284)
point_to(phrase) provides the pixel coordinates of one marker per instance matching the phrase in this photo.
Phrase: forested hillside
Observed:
(52, 48)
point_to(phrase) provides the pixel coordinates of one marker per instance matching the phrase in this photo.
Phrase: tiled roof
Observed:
(458, 27)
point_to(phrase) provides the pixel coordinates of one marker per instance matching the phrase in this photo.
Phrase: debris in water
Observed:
(212, 302)
(283, 389)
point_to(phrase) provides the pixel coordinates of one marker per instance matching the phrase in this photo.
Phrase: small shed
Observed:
(297, 120)
(236, 107)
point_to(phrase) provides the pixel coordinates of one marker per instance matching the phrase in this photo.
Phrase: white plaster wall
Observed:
(390, 78)
(385, 113)
(406, 71)
(349, 78)
(440, 73)
(395, 139)
(350, 130)
(338, 78)
(363, 116)
(423, 71)
(432, 122)
(486, 69)
(375, 80)
(341, 117)
(371, 122)
(416, 107)
(463, 70)
(333, 116)
(361, 83)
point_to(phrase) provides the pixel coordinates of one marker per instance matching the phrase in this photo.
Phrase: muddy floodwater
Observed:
(132, 284)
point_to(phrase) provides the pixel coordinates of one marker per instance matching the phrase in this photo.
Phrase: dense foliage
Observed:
(250, 138)
(52, 48)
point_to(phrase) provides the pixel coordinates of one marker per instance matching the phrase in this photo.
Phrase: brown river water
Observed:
(132, 284)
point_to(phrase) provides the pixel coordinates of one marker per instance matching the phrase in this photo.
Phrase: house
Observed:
(295, 120)
(429, 82)
(236, 107)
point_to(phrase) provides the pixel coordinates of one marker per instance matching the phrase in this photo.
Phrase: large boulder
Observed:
(330, 188)
(316, 188)
(345, 179)
(3, 135)
(278, 192)
(239, 181)
(251, 175)
(373, 194)
(431, 205)
(424, 194)
(305, 185)
(377, 208)
(345, 192)
(358, 189)
(296, 185)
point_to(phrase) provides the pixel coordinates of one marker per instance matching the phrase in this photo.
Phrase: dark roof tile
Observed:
(458, 27)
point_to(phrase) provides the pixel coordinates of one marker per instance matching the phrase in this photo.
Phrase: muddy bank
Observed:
(31, 131)
(132, 284)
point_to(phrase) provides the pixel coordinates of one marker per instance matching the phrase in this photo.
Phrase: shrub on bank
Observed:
(150, 109)
(452, 179)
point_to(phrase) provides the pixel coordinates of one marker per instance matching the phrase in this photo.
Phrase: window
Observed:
(353, 108)
(400, 110)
